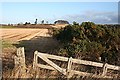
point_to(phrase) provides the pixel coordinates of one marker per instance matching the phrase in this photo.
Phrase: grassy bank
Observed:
(7, 44)
(8, 27)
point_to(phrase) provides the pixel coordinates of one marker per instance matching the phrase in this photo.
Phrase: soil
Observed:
(19, 34)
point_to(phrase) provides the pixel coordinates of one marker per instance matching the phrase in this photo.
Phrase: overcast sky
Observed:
(98, 12)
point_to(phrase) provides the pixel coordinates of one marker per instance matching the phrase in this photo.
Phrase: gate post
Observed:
(20, 65)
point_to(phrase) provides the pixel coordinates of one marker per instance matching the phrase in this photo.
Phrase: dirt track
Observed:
(19, 34)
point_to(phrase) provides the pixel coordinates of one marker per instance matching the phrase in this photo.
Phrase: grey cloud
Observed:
(97, 17)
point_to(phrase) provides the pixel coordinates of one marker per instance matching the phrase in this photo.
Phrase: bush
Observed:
(90, 41)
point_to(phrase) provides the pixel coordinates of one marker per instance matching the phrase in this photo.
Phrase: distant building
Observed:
(61, 22)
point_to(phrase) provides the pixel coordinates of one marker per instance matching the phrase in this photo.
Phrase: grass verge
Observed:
(8, 27)
(7, 44)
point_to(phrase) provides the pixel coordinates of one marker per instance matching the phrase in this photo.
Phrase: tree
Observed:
(29, 23)
(46, 22)
(36, 21)
(61, 22)
(42, 22)
(26, 23)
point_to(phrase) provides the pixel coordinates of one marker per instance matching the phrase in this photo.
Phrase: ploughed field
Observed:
(19, 34)
(30, 38)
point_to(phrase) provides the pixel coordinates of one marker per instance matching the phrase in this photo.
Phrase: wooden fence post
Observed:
(23, 57)
(69, 73)
(19, 60)
(104, 69)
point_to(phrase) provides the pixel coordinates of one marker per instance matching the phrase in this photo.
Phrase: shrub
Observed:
(89, 41)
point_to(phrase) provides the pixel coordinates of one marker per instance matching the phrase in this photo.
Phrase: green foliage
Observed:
(8, 27)
(89, 41)
(6, 44)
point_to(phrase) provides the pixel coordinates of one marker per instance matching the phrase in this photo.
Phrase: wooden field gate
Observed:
(69, 72)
